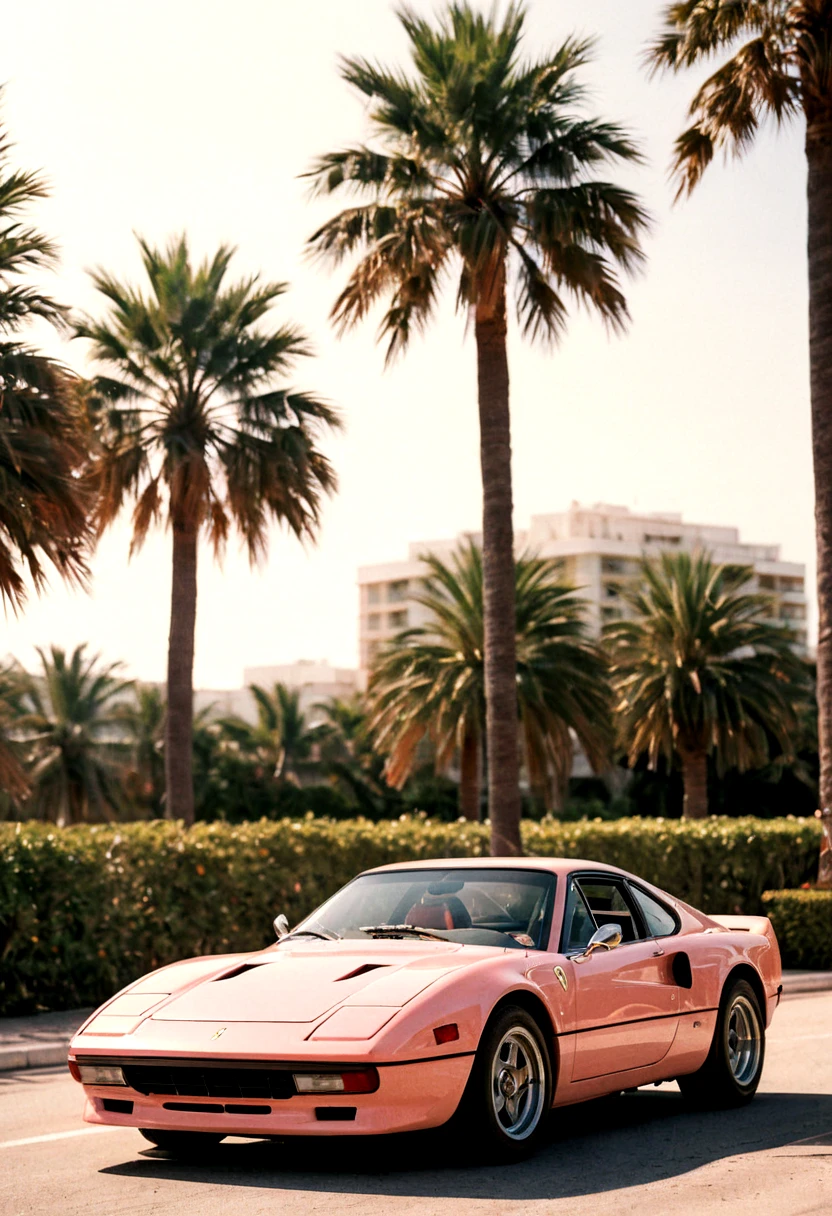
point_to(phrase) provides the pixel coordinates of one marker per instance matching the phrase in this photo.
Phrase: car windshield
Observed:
(488, 907)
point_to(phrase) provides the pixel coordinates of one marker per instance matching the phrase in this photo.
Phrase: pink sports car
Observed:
(480, 990)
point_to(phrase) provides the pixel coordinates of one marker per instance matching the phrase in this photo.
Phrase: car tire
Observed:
(732, 1071)
(191, 1144)
(509, 1093)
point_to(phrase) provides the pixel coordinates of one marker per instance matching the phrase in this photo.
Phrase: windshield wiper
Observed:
(401, 931)
(327, 936)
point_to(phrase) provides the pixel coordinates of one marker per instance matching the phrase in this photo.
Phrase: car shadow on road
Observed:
(605, 1145)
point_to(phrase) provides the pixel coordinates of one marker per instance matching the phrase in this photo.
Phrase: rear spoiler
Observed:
(762, 927)
(748, 924)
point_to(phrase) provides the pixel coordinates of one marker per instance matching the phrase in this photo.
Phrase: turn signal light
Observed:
(354, 1081)
(363, 1082)
(73, 1069)
(446, 1034)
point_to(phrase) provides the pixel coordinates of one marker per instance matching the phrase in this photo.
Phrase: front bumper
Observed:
(411, 1096)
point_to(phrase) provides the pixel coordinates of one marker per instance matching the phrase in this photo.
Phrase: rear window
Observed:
(659, 920)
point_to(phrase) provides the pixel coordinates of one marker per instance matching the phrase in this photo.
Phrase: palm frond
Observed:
(730, 105)
(699, 669)
(696, 29)
(190, 419)
(773, 51)
(73, 730)
(463, 149)
(428, 684)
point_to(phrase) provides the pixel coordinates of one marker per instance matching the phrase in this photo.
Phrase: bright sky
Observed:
(201, 114)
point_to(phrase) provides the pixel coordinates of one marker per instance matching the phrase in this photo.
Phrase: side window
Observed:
(579, 925)
(609, 907)
(659, 921)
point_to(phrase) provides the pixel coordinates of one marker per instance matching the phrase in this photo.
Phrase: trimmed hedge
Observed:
(803, 923)
(84, 910)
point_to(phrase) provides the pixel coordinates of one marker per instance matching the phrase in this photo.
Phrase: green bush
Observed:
(84, 910)
(803, 923)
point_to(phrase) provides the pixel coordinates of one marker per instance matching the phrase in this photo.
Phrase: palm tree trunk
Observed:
(695, 778)
(498, 571)
(819, 189)
(180, 714)
(469, 778)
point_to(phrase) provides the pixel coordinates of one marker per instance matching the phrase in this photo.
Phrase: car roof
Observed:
(555, 865)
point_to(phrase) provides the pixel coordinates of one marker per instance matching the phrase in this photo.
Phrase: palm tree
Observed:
(14, 782)
(281, 738)
(482, 164)
(194, 430)
(74, 735)
(698, 671)
(778, 64)
(347, 755)
(430, 682)
(144, 724)
(44, 500)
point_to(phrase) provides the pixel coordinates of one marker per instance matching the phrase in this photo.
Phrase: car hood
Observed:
(301, 982)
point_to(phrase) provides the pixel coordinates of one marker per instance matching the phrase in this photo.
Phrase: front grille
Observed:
(198, 1081)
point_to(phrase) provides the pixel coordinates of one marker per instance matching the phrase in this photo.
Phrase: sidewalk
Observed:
(38, 1041)
(41, 1041)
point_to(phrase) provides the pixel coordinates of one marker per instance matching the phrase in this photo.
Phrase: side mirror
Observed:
(281, 925)
(605, 938)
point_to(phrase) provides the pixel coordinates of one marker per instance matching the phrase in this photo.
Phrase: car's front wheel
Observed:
(184, 1143)
(732, 1071)
(510, 1089)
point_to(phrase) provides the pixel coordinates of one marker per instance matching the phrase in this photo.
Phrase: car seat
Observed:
(445, 912)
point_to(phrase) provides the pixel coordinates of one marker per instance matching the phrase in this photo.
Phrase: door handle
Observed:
(657, 953)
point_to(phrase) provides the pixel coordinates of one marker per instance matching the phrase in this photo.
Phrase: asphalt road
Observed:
(641, 1153)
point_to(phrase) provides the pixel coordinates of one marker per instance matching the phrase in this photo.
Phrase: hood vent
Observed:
(362, 970)
(230, 975)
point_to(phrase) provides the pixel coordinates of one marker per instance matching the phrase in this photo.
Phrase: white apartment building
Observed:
(315, 681)
(601, 548)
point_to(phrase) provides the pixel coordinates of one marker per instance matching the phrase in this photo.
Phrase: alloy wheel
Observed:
(518, 1083)
(744, 1040)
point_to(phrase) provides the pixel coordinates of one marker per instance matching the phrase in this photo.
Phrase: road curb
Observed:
(796, 982)
(40, 1055)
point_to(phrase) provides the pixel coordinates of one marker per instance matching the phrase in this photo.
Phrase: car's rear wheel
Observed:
(732, 1071)
(190, 1143)
(509, 1092)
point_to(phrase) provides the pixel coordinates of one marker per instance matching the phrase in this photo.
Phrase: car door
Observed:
(626, 999)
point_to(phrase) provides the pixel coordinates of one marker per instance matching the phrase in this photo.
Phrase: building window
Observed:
(397, 620)
(767, 582)
(792, 612)
(665, 541)
(374, 621)
(611, 591)
(372, 652)
(610, 614)
(374, 594)
(397, 592)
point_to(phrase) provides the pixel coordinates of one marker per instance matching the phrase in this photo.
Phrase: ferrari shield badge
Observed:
(562, 980)
(223, 1029)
